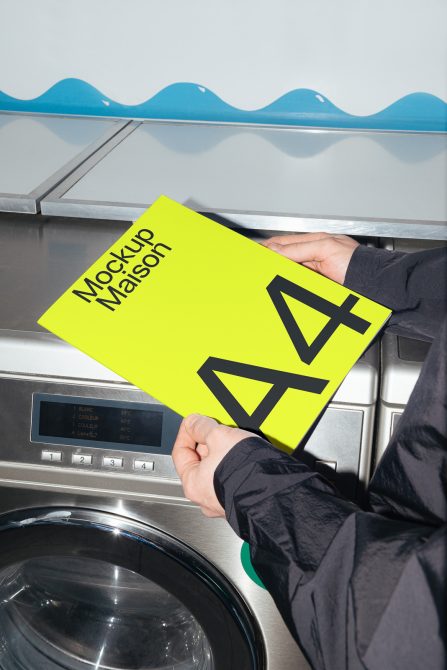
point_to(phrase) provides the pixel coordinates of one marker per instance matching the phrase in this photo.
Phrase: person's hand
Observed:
(200, 446)
(327, 254)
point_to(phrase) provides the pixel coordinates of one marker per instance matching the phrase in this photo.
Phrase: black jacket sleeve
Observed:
(361, 588)
(411, 480)
(413, 285)
(356, 589)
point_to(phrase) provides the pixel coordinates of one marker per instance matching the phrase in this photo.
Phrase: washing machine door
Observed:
(82, 590)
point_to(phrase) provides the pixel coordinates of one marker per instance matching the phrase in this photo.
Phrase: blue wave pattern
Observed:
(191, 102)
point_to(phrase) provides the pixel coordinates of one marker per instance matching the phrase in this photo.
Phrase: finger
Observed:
(202, 450)
(199, 427)
(303, 252)
(184, 450)
(295, 238)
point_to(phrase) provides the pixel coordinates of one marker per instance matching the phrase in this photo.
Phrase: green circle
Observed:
(248, 566)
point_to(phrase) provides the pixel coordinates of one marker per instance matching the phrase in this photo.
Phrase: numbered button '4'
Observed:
(143, 465)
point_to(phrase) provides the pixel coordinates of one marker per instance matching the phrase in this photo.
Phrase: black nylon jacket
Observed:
(361, 587)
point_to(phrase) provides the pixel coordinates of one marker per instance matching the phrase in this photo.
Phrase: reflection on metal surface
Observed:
(38, 152)
(80, 613)
(268, 178)
(211, 538)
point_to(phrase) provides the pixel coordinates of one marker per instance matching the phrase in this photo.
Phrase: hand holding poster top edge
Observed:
(327, 254)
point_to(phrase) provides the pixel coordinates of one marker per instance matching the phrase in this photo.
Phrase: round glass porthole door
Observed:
(79, 613)
(80, 595)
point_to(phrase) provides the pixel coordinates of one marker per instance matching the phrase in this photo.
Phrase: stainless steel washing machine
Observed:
(104, 563)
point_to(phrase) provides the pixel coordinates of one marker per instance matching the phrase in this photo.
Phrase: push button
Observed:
(112, 462)
(82, 459)
(143, 465)
(55, 456)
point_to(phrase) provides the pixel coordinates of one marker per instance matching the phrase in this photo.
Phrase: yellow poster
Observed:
(206, 320)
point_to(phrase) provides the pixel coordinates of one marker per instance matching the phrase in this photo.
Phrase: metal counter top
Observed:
(265, 178)
(37, 152)
(41, 258)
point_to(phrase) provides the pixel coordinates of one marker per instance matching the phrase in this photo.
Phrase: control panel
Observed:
(110, 429)
(83, 431)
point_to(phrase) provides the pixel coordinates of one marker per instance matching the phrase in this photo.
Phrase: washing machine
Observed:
(104, 564)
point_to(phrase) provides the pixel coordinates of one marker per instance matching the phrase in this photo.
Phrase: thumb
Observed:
(199, 427)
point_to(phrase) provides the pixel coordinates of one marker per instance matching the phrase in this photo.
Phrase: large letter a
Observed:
(281, 382)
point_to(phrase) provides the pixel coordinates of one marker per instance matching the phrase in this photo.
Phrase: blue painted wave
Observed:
(191, 102)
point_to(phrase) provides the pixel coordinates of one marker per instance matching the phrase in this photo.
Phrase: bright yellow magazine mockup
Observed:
(205, 320)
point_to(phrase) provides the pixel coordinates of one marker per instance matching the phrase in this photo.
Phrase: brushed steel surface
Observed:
(410, 246)
(33, 354)
(360, 386)
(39, 262)
(16, 409)
(39, 151)
(364, 183)
(402, 361)
(399, 375)
(338, 438)
(385, 415)
(343, 433)
(212, 538)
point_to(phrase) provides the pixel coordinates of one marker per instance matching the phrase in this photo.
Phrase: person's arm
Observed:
(413, 285)
(356, 590)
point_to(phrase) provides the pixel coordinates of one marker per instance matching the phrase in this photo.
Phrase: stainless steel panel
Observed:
(39, 262)
(400, 374)
(18, 446)
(37, 152)
(410, 246)
(28, 354)
(360, 386)
(369, 183)
(338, 438)
(212, 538)
(402, 361)
(412, 350)
(394, 421)
(345, 431)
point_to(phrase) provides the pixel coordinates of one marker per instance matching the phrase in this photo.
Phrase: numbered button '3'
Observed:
(111, 462)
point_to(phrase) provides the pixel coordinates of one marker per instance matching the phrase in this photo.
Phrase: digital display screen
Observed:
(100, 423)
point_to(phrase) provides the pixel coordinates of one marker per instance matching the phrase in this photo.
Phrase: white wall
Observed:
(361, 55)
